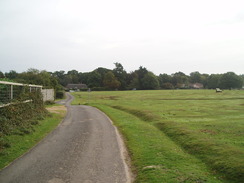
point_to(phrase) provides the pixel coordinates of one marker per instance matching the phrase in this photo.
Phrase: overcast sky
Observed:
(165, 36)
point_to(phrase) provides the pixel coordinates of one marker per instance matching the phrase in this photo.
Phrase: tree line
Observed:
(119, 79)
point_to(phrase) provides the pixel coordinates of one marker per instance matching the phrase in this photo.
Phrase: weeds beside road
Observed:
(19, 143)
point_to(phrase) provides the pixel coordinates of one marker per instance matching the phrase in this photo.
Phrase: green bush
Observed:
(60, 94)
(19, 116)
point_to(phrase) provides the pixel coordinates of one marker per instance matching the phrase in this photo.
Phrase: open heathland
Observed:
(178, 135)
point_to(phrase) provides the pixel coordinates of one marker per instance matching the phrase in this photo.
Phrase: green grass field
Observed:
(178, 135)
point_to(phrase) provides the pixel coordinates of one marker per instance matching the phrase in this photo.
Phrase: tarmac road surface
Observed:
(84, 148)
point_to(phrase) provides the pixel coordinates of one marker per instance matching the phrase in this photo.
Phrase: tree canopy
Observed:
(230, 80)
(110, 81)
(117, 78)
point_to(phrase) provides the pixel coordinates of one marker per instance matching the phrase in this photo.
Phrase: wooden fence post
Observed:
(11, 92)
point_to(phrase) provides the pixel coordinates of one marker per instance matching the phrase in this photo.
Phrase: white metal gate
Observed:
(10, 91)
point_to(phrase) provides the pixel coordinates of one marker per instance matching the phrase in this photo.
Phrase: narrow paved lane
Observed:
(84, 148)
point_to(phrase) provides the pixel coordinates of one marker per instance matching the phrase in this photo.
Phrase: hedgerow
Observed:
(19, 117)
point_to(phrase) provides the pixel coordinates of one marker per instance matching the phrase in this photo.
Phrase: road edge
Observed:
(123, 151)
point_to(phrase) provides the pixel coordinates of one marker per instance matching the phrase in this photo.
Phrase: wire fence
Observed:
(15, 92)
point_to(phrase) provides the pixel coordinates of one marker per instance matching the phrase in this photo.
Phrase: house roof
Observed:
(196, 85)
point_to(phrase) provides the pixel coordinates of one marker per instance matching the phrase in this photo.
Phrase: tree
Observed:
(11, 74)
(204, 80)
(179, 78)
(60, 76)
(83, 77)
(94, 79)
(132, 80)
(141, 72)
(34, 76)
(119, 69)
(74, 76)
(150, 81)
(102, 71)
(195, 77)
(1, 75)
(164, 78)
(110, 81)
(44, 78)
(31, 76)
(242, 77)
(230, 80)
(121, 74)
(213, 81)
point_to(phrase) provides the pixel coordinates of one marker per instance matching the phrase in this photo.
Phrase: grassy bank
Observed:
(18, 144)
(205, 125)
(155, 157)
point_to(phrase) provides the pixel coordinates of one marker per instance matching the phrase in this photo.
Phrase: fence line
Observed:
(5, 105)
(10, 91)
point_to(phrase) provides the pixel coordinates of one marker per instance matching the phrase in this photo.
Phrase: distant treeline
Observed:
(119, 79)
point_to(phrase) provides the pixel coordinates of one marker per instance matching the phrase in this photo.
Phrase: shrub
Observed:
(18, 117)
(60, 94)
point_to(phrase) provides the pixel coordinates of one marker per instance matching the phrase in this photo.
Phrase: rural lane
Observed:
(84, 148)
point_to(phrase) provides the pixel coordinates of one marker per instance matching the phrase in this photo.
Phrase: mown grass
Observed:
(20, 144)
(206, 125)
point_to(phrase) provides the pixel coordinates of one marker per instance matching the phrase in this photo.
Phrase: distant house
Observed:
(181, 85)
(76, 87)
(196, 85)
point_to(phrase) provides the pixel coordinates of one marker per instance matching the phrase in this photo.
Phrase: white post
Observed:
(11, 92)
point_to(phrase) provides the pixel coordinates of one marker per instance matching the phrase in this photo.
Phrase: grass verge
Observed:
(155, 157)
(223, 159)
(20, 144)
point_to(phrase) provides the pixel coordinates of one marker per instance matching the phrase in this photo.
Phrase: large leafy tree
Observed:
(94, 79)
(83, 77)
(110, 81)
(60, 76)
(132, 81)
(73, 76)
(163, 79)
(213, 81)
(195, 77)
(230, 80)
(120, 74)
(102, 71)
(179, 78)
(204, 80)
(150, 81)
(141, 72)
